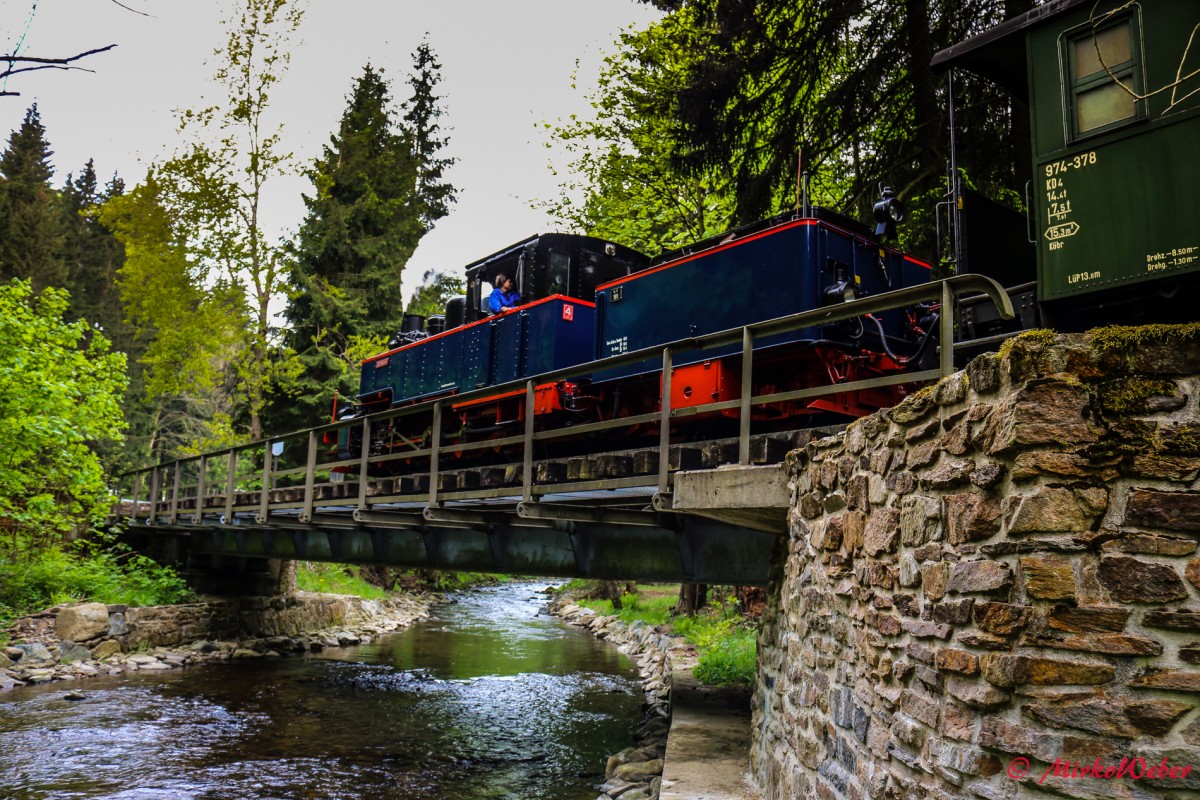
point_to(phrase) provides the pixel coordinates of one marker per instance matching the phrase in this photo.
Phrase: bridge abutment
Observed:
(998, 575)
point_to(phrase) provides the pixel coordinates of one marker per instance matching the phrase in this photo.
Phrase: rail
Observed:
(166, 489)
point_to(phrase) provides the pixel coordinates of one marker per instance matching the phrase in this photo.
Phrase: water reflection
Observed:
(485, 700)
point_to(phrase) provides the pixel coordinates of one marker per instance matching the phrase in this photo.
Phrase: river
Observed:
(485, 699)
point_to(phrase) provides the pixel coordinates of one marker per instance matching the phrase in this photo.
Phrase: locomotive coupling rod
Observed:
(612, 516)
(389, 519)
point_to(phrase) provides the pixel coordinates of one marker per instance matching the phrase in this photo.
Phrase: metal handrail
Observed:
(946, 290)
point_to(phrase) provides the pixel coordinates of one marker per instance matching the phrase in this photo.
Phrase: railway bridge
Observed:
(707, 512)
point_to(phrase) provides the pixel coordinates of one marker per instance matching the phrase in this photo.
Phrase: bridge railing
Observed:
(221, 486)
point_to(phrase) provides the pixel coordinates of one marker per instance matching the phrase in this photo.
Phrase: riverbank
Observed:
(74, 642)
(635, 773)
(695, 743)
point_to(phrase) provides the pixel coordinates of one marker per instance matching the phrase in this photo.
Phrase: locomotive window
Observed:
(557, 279)
(1103, 77)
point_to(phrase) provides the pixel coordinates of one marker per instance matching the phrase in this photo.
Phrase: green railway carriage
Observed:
(1113, 93)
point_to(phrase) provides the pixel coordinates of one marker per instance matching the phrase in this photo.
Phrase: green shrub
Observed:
(728, 660)
(110, 575)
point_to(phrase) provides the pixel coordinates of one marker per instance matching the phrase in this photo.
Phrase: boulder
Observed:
(82, 622)
(72, 652)
(106, 649)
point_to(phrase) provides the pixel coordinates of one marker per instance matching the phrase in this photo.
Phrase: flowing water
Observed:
(486, 699)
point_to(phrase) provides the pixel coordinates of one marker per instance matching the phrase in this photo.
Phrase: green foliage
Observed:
(105, 574)
(59, 397)
(335, 579)
(435, 289)
(624, 184)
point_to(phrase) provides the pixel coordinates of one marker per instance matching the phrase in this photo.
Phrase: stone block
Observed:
(934, 578)
(980, 576)
(920, 520)
(1008, 670)
(926, 630)
(948, 475)
(1047, 413)
(954, 613)
(1088, 619)
(1170, 679)
(1069, 465)
(976, 694)
(1149, 543)
(1130, 580)
(971, 517)
(1048, 578)
(1152, 508)
(956, 661)
(1182, 620)
(1112, 644)
(1111, 716)
(1021, 740)
(1053, 509)
(882, 532)
(919, 707)
(988, 474)
(82, 622)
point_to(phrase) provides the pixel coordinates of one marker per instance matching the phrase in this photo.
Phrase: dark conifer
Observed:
(378, 187)
(30, 222)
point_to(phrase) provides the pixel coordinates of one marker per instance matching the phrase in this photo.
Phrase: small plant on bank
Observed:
(335, 579)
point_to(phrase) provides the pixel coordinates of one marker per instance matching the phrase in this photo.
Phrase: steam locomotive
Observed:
(1112, 234)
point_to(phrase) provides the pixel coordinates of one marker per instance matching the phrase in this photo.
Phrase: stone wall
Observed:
(169, 626)
(1002, 567)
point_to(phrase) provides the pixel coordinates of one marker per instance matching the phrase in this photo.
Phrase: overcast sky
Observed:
(506, 66)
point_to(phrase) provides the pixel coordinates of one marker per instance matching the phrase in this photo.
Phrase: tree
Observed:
(434, 194)
(60, 397)
(92, 256)
(624, 184)
(435, 289)
(186, 319)
(850, 83)
(378, 189)
(30, 222)
(215, 188)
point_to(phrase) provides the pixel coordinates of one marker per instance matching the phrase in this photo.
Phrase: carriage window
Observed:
(1103, 70)
(559, 268)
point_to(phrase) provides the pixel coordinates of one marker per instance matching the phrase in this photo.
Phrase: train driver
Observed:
(504, 296)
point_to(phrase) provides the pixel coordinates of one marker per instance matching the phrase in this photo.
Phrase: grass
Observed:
(725, 642)
(335, 579)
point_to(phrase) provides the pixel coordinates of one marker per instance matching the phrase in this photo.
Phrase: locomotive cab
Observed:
(548, 265)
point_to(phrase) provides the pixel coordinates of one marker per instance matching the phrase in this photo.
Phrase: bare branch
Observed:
(31, 60)
(133, 10)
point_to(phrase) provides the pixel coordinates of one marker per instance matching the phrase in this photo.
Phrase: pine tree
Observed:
(422, 112)
(92, 255)
(30, 225)
(378, 190)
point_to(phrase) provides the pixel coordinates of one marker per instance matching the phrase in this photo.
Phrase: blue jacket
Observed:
(500, 299)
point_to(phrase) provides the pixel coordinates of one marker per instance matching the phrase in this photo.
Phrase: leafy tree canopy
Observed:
(624, 184)
(60, 395)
